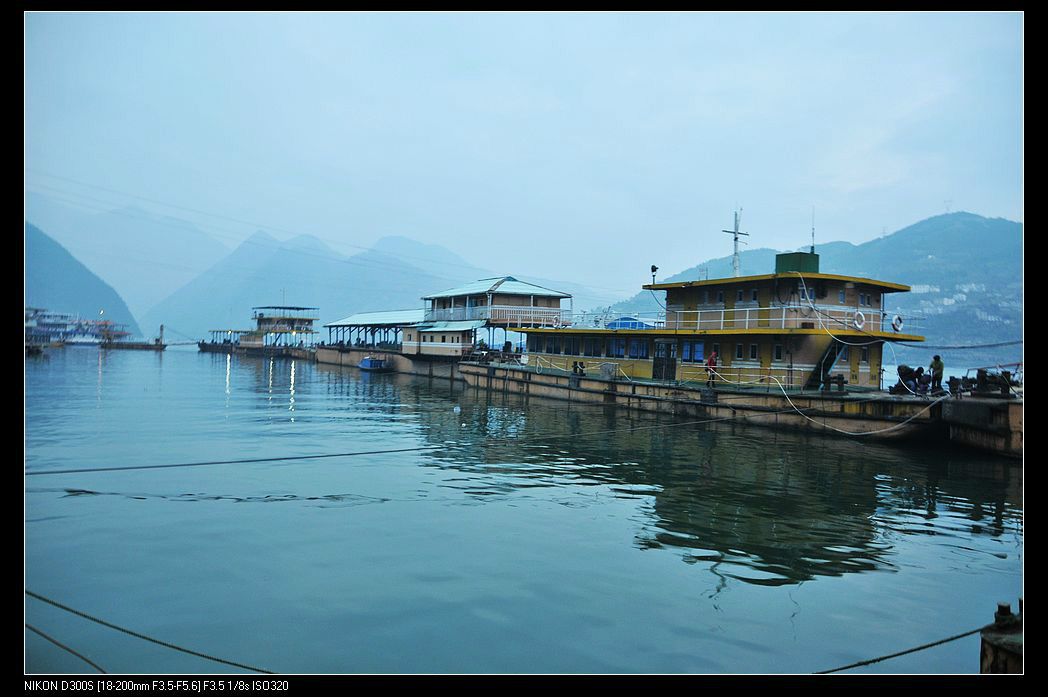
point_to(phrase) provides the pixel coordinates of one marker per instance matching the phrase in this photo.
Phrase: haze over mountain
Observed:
(394, 274)
(56, 281)
(301, 271)
(966, 272)
(144, 256)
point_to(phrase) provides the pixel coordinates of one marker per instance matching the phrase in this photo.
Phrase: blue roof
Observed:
(629, 323)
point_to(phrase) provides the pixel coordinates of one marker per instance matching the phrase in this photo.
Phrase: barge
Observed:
(798, 349)
(280, 330)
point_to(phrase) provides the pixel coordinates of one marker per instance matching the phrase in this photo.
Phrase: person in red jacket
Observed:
(711, 367)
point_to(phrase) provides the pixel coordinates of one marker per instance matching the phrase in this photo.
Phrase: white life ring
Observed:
(859, 320)
(897, 323)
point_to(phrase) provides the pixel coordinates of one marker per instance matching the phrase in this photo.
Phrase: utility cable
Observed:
(138, 635)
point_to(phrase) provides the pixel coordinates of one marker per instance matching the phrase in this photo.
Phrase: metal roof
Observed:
(506, 285)
(452, 326)
(789, 276)
(385, 318)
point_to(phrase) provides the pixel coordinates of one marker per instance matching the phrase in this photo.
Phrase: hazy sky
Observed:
(584, 146)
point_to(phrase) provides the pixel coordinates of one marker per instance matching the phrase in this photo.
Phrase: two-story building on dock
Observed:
(796, 326)
(448, 328)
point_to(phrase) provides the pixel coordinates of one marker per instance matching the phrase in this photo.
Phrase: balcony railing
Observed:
(512, 315)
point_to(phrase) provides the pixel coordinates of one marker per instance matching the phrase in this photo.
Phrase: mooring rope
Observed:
(62, 646)
(138, 635)
(899, 653)
(489, 442)
(859, 433)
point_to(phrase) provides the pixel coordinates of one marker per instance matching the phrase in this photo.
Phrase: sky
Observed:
(572, 146)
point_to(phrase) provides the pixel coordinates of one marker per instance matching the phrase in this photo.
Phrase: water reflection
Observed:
(761, 506)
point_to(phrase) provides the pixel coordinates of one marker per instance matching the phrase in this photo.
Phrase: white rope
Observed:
(740, 382)
(822, 326)
(861, 433)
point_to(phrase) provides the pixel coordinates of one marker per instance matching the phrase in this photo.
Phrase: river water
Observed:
(509, 536)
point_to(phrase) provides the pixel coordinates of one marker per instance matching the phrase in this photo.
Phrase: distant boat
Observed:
(376, 365)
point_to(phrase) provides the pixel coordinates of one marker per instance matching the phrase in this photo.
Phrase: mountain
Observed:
(393, 275)
(966, 272)
(144, 256)
(55, 280)
(302, 271)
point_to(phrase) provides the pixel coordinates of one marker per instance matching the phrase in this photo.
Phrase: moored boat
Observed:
(376, 365)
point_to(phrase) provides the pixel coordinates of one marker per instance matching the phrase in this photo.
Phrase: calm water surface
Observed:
(532, 537)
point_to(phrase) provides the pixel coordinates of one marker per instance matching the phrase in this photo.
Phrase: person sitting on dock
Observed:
(937, 367)
(711, 368)
(907, 381)
(923, 380)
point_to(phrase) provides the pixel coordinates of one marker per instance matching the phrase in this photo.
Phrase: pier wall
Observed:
(992, 425)
(884, 414)
(987, 424)
(427, 366)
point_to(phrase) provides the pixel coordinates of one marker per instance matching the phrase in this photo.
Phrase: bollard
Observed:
(1001, 649)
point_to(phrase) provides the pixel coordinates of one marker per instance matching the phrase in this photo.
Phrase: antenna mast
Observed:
(813, 229)
(736, 233)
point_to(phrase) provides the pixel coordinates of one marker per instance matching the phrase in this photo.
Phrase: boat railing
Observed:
(797, 316)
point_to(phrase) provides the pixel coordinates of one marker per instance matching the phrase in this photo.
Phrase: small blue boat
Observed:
(376, 365)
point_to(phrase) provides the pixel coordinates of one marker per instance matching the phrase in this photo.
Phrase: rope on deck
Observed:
(138, 635)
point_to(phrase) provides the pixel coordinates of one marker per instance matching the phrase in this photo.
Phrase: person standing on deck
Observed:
(936, 368)
(711, 367)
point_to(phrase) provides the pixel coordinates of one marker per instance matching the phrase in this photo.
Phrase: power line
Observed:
(138, 635)
(959, 348)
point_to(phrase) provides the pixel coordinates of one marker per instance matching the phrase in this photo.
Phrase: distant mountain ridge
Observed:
(144, 256)
(301, 271)
(57, 281)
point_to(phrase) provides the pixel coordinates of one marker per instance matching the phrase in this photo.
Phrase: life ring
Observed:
(859, 320)
(897, 323)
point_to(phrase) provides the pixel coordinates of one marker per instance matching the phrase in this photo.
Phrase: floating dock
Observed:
(990, 424)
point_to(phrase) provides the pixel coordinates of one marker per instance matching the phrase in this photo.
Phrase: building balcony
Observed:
(510, 315)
